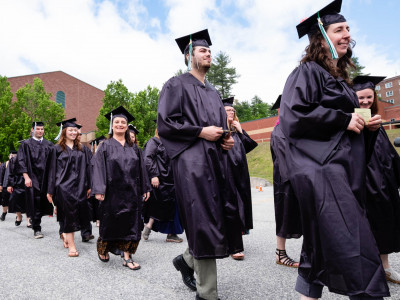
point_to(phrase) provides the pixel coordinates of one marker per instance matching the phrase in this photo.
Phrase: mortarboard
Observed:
(277, 103)
(119, 112)
(187, 42)
(97, 141)
(65, 124)
(38, 123)
(228, 101)
(363, 82)
(326, 16)
(133, 128)
(13, 151)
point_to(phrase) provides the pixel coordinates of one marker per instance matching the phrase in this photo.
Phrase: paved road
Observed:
(40, 269)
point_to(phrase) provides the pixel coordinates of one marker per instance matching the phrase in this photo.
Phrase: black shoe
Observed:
(3, 216)
(17, 223)
(87, 238)
(186, 271)
(103, 259)
(29, 226)
(38, 235)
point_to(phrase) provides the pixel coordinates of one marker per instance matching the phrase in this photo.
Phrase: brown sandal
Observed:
(287, 261)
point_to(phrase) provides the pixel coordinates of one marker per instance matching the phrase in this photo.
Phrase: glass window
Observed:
(388, 85)
(389, 93)
(391, 101)
(379, 96)
(378, 88)
(60, 98)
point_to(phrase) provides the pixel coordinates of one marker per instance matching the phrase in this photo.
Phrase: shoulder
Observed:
(47, 143)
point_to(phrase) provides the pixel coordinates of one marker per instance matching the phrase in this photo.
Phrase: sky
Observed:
(99, 41)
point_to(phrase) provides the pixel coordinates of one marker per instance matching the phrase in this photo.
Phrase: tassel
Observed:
(327, 39)
(59, 134)
(95, 147)
(189, 68)
(34, 128)
(110, 130)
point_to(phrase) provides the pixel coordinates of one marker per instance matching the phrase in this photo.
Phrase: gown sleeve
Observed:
(248, 143)
(51, 181)
(21, 156)
(99, 178)
(11, 176)
(150, 159)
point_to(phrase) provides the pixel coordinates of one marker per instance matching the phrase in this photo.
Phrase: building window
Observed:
(392, 120)
(399, 82)
(379, 95)
(378, 87)
(60, 98)
(388, 85)
(389, 94)
(391, 101)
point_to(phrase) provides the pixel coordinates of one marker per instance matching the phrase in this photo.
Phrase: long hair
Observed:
(374, 106)
(63, 141)
(230, 126)
(156, 134)
(127, 137)
(315, 52)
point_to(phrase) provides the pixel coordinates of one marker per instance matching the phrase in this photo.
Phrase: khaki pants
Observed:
(206, 275)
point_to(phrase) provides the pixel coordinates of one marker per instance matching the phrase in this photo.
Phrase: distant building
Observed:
(79, 99)
(388, 91)
(260, 129)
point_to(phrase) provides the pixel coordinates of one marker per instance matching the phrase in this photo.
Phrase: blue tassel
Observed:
(189, 68)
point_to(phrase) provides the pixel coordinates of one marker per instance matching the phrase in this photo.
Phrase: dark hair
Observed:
(136, 141)
(374, 106)
(63, 141)
(127, 135)
(315, 52)
(187, 60)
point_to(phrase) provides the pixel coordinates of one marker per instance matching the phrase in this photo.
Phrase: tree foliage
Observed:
(221, 76)
(32, 104)
(354, 72)
(254, 110)
(142, 105)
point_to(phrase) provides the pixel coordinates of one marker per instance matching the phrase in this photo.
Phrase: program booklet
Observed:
(365, 113)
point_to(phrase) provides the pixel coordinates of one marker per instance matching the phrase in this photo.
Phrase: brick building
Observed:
(79, 99)
(389, 92)
(260, 130)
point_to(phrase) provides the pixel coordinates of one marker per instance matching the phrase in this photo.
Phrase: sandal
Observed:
(238, 256)
(130, 261)
(287, 261)
(392, 275)
(73, 254)
(105, 259)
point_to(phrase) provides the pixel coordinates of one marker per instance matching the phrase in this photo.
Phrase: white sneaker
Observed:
(392, 275)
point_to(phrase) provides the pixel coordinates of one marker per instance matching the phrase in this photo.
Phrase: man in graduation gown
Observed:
(191, 123)
(34, 160)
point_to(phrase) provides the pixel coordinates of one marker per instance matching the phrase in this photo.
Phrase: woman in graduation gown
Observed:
(287, 212)
(326, 154)
(238, 167)
(383, 181)
(120, 183)
(69, 183)
(161, 209)
(5, 195)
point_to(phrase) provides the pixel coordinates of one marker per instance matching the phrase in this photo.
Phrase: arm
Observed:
(99, 178)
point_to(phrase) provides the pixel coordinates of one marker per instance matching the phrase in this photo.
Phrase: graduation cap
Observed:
(363, 82)
(13, 151)
(228, 101)
(37, 123)
(65, 124)
(277, 103)
(133, 129)
(97, 141)
(324, 17)
(119, 112)
(187, 42)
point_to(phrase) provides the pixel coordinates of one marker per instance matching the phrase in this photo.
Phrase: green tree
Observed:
(221, 75)
(34, 104)
(179, 72)
(243, 110)
(354, 72)
(5, 118)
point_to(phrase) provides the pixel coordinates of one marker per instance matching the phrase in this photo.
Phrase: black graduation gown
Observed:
(161, 204)
(17, 182)
(5, 195)
(287, 211)
(120, 174)
(383, 200)
(93, 202)
(68, 183)
(327, 172)
(207, 205)
(239, 171)
(2, 170)
(34, 159)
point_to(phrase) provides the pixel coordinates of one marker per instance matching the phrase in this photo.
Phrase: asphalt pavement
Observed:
(41, 269)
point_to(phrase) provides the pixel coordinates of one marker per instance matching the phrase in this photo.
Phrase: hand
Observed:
(228, 142)
(211, 133)
(88, 193)
(374, 123)
(10, 189)
(155, 182)
(1, 188)
(237, 125)
(50, 198)
(356, 123)
(146, 196)
(28, 181)
(99, 197)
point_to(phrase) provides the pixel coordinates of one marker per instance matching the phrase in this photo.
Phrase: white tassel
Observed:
(59, 134)
(110, 130)
(34, 128)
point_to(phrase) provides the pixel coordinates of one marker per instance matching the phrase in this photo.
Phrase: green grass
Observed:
(260, 160)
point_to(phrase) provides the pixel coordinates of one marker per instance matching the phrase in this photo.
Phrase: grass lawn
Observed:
(260, 160)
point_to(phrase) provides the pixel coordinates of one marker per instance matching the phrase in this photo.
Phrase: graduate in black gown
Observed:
(191, 122)
(326, 153)
(5, 195)
(34, 161)
(69, 183)
(120, 183)
(383, 181)
(161, 210)
(16, 188)
(133, 132)
(239, 170)
(287, 212)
